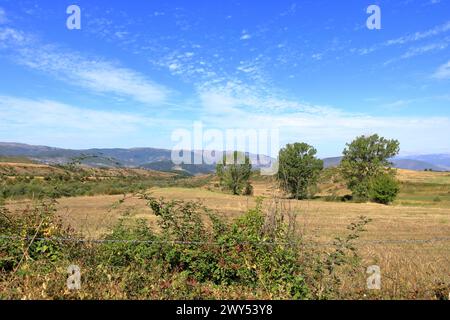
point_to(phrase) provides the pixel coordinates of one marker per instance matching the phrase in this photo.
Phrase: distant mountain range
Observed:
(160, 159)
(410, 163)
(149, 158)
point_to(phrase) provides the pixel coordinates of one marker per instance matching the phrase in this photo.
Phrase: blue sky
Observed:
(139, 70)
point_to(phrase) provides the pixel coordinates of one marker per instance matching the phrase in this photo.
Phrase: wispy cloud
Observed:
(245, 35)
(67, 125)
(21, 113)
(3, 18)
(424, 49)
(37, 120)
(11, 37)
(397, 104)
(236, 105)
(409, 38)
(420, 50)
(421, 35)
(443, 72)
(328, 126)
(94, 74)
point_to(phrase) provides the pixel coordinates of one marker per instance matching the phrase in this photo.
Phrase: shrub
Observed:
(131, 242)
(244, 253)
(384, 189)
(24, 238)
(195, 254)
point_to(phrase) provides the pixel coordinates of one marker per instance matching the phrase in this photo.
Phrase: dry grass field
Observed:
(405, 239)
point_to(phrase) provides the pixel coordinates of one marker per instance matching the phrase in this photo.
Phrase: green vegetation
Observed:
(195, 254)
(299, 169)
(384, 189)
(235, 173)
(15, 159)
(74, 183)
(365, 158)
(425, 193)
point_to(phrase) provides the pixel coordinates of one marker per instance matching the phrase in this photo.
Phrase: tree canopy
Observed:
(298, 169)
(365, 158)
(235, 175)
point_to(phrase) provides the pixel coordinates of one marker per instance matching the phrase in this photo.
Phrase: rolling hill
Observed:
(160, 159)
(148, 158)
(399, 163)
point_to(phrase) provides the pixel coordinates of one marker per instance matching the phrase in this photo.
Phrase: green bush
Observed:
(24, 238)
(246, 252)
(131, 242)
(194, 254)
(384, 189)
(76, 184)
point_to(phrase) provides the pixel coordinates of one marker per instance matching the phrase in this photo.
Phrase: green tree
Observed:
(235, 175)
(298, 169)
(384, 188)
(365, 158)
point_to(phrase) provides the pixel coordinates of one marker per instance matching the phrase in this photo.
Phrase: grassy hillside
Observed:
(29, 180)
(17, 159)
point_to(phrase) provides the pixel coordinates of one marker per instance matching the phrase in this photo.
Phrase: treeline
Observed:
(365, 167)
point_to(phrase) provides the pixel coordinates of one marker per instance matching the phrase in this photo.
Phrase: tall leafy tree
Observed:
(298, 169)
(365, 158)
(235, 176)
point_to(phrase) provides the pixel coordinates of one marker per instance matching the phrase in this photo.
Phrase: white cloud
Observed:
(94, 74)
(218, 103)
(21, 113)
(420, 35)
(420, 50)
(245, 35)
(414, 134)
(225, 108)
(236, 95)
(3, 18)
(443, 72)
(417, 36)
(10, 37)
(121, 34)
(397, 104)
(43, 121)
(317, 56)
(412, 52)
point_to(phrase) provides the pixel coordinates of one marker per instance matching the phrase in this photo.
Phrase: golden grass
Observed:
(423, 176)
(409, 269)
